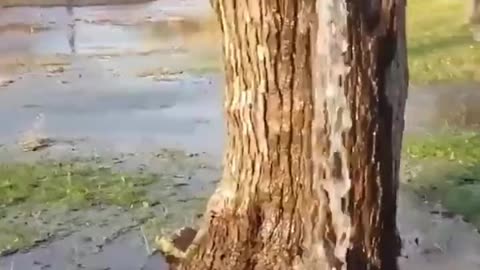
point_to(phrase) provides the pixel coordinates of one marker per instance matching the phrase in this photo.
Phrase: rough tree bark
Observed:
(314, 101)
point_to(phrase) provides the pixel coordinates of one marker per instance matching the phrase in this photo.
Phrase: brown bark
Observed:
(314, 101)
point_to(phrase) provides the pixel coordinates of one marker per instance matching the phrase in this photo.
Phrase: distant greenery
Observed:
(440, 44)
(448, 171)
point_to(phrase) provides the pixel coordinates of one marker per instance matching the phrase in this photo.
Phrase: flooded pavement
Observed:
(116, 79)
(125, 82)
(87, 31)
(121, 84)
(431, 241)
(61, 34)
(435, 108)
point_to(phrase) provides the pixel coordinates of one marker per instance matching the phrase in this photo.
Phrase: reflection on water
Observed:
(113, 29)
(71, 39)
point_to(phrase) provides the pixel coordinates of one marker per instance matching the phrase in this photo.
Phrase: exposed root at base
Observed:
(168, 249)
(178, 247)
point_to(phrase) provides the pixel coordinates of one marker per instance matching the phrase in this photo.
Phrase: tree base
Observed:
(175, 248)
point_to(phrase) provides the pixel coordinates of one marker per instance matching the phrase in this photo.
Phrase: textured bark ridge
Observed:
(314, 101)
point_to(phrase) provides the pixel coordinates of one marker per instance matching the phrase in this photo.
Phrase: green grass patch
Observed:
(28, 191)
(16, 237)
(440, 44)
(448, 171)
(71, 185)
(462, 148)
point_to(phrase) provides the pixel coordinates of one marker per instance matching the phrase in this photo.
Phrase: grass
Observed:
(72, 185)
(27, 190)
(14, 237)
(462, 148)
(47, 200)
(440, 43)
(449, 171)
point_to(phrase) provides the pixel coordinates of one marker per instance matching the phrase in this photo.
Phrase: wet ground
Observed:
(128, 82)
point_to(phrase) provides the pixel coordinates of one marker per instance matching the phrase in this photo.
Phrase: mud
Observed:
(138, 87)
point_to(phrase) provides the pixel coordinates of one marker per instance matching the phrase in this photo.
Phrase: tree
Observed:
(474, 12)
(314, 103)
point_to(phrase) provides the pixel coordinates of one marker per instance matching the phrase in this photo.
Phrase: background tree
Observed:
(314, 102)
(474, 12)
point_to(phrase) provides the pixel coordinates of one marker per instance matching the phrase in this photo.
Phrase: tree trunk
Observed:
(314, 101)
(474, 12)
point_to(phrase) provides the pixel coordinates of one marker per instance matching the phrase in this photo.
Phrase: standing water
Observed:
(116, 82)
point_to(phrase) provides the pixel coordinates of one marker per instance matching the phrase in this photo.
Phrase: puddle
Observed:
(100, 29)
(99, 55)
(431, 242)
(126, 253)
(454, 107)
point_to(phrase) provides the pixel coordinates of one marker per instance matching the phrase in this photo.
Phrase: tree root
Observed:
(178, 247)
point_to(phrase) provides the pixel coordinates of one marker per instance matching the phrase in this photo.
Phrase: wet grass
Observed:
(446, 168)
(71, 185)
(41, 202)
(30, 190)
(440, 44)
(462, 148)
(15, 237)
